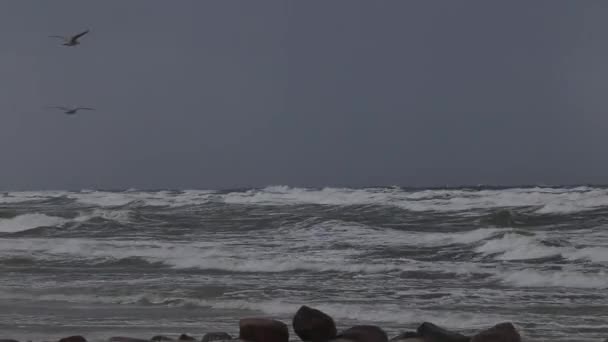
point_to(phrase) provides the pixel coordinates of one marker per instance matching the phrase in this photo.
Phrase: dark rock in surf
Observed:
(126, 339)
(433, 333)
(263, 330)
(161, 338)
(409, 336)
(216, 336)
(186, 337)
(502, 332)
(313, 325)
(363, 333)
(76, 338)
(8, 340)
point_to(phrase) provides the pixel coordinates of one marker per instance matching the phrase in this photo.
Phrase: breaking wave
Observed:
(29, 221)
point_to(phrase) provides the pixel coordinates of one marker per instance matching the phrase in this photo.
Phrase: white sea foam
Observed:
(34, 220)
(214, 256)
(569, 279)
(158, 198)
(517, 247)
(330, 233)
(122, 216)
(29, 221)
(102, 198)
(595, 254)
(522, 247)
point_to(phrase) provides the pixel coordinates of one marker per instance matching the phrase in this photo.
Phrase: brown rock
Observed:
(76, 338)
(433, 333)
(503, 332)
(313, 325)
(216, 336)
(363, 333)
(263, 330)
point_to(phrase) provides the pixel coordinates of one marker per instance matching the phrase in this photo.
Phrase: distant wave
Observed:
(542, 200)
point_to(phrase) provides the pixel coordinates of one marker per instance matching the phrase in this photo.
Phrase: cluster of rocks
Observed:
(312, 325)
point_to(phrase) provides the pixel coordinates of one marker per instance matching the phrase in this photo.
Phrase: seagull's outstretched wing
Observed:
(60, 37)
(76, 37)
(58, 107)
(84, 108)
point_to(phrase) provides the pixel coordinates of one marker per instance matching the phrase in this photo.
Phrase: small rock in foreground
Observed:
(263, 330)
(502, 332)
(313, 325)
(363, 333)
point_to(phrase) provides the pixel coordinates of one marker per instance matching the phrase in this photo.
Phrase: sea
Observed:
(142, 263)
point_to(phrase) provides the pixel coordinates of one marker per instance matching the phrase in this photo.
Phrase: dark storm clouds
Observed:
(216, 94)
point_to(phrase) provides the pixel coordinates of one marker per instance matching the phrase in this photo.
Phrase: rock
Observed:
(8, 339)
(126, 339)
(502, 332)
(363, 333)
(216, 336)
(263, 330)
(313, 325)
(433, 333)
(161, 338)
(186, 337)
(410, 336)
(76, 338)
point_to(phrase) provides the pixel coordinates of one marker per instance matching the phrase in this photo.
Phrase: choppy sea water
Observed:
(136, 263)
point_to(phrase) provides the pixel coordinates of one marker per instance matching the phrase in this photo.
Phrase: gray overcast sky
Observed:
(220, 94)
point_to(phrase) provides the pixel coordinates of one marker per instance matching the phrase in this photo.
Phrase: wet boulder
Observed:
(216, 336)
(75, 338)
(503, 332)
(313, 325)
(263, 330)
(431, 332)
(362, 333)
(8, 340)
(186, 337)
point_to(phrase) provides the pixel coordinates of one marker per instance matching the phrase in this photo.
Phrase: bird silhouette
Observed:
(71, 40)
(71, 110)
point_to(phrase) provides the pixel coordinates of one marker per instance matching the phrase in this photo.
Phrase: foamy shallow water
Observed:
(140, 263)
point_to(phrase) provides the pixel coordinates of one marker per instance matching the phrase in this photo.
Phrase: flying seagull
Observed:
(72, 110)
(71, 40)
